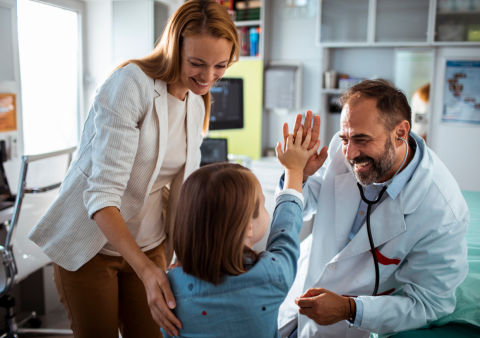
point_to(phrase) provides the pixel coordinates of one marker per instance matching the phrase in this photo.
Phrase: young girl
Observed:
(223, 288)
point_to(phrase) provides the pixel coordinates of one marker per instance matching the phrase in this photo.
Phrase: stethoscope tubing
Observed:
(369, 210)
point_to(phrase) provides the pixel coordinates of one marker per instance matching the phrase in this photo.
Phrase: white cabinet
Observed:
(344, 21)
(406, 23)
(401, 21)
(137, 25)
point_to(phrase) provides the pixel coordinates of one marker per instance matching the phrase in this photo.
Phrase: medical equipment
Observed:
(370, 203)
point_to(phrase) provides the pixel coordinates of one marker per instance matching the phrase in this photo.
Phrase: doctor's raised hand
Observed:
(317, 159)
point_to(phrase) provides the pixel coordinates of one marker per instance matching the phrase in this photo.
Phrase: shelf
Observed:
(248, 23)
(398, 44)
(459, 13)
(250, 58)
(456, 43)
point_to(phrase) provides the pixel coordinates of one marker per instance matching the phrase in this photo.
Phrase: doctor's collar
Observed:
(404, 176)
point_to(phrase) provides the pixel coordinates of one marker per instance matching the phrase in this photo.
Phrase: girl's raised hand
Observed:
(296, 154)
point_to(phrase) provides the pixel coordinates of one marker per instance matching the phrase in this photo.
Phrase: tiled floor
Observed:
(56, 319)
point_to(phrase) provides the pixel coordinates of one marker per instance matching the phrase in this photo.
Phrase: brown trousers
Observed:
(105, 295)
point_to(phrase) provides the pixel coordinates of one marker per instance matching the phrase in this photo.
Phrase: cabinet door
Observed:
(160, 18)
(344, 21)
(457, 21)
(133, 35)
(402, 21)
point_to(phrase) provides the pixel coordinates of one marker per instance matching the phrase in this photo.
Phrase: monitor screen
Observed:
(227, 106)
(214, 150)
(4, 187)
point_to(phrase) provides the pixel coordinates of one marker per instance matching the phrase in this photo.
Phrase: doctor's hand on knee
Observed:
(160, 299)
(316, 160)
(325, 307)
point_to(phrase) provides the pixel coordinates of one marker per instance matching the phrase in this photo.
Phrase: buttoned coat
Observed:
(121, 151)
(420, 242)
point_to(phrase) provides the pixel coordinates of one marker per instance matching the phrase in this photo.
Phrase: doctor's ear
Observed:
(401, 130)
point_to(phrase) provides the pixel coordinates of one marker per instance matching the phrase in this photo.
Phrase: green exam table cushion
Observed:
(464, 322)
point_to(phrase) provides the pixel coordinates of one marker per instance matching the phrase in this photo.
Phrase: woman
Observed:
(109, 230)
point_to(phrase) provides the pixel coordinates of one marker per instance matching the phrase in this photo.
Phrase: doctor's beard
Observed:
(380, 165)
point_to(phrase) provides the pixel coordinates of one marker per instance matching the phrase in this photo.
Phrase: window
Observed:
(50, 67)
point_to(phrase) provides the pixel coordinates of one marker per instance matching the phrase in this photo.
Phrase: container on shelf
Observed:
(330, 79)
(345, 84)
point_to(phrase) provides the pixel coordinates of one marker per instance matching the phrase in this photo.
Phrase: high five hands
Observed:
(316, 160)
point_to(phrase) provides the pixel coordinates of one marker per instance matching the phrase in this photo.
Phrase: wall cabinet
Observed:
(137, 25)
(344, 21)
(359, 23)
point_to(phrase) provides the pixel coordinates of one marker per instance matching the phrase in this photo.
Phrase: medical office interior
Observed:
(296, 55)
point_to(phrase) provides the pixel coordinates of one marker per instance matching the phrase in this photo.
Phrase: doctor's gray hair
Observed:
(392, 103)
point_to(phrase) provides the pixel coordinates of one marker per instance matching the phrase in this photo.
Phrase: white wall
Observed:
(98, 48)
(456, 145)
(99, 54)
(293, 39)
(12, 166)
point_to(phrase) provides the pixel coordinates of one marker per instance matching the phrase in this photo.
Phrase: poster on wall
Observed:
(462, 92)
(8, 112)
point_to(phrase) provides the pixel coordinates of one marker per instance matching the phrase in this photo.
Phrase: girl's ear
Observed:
(250, 231)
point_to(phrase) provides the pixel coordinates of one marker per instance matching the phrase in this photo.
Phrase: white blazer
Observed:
(420, 234)
(120, 154)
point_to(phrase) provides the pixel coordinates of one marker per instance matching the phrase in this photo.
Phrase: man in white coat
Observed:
(418, 226)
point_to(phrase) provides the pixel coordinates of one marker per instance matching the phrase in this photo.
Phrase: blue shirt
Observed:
(245, 305)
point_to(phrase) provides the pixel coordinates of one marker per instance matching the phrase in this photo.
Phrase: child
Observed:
(223, 288)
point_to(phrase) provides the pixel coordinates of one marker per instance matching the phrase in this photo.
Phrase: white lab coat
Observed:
(423, 227)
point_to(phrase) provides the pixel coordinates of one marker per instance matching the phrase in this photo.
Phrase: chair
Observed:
(33, 258)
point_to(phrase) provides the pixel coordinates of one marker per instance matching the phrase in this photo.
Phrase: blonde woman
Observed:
(109, 232)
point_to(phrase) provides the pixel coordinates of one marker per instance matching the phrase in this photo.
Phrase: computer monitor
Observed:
(4, 187)
(214, 150)
(227, 106)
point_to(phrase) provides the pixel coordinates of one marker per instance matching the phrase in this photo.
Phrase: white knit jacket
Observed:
(120, 154)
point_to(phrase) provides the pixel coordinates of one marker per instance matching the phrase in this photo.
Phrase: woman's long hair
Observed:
(216, 206)
(195, 17)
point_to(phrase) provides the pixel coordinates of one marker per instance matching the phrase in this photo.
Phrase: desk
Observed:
(28, 255)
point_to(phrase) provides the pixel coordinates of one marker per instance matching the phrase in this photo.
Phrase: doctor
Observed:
(418, 226)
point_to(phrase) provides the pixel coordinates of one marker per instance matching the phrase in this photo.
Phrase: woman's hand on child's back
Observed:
(159, 295)
(295, 156)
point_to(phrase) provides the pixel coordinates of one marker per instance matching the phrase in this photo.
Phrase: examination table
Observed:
(464, 322)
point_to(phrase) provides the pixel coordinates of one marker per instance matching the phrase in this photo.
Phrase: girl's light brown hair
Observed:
(194, 17)
(216, 206)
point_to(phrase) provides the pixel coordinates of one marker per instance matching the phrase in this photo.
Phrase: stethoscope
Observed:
(369, 209)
